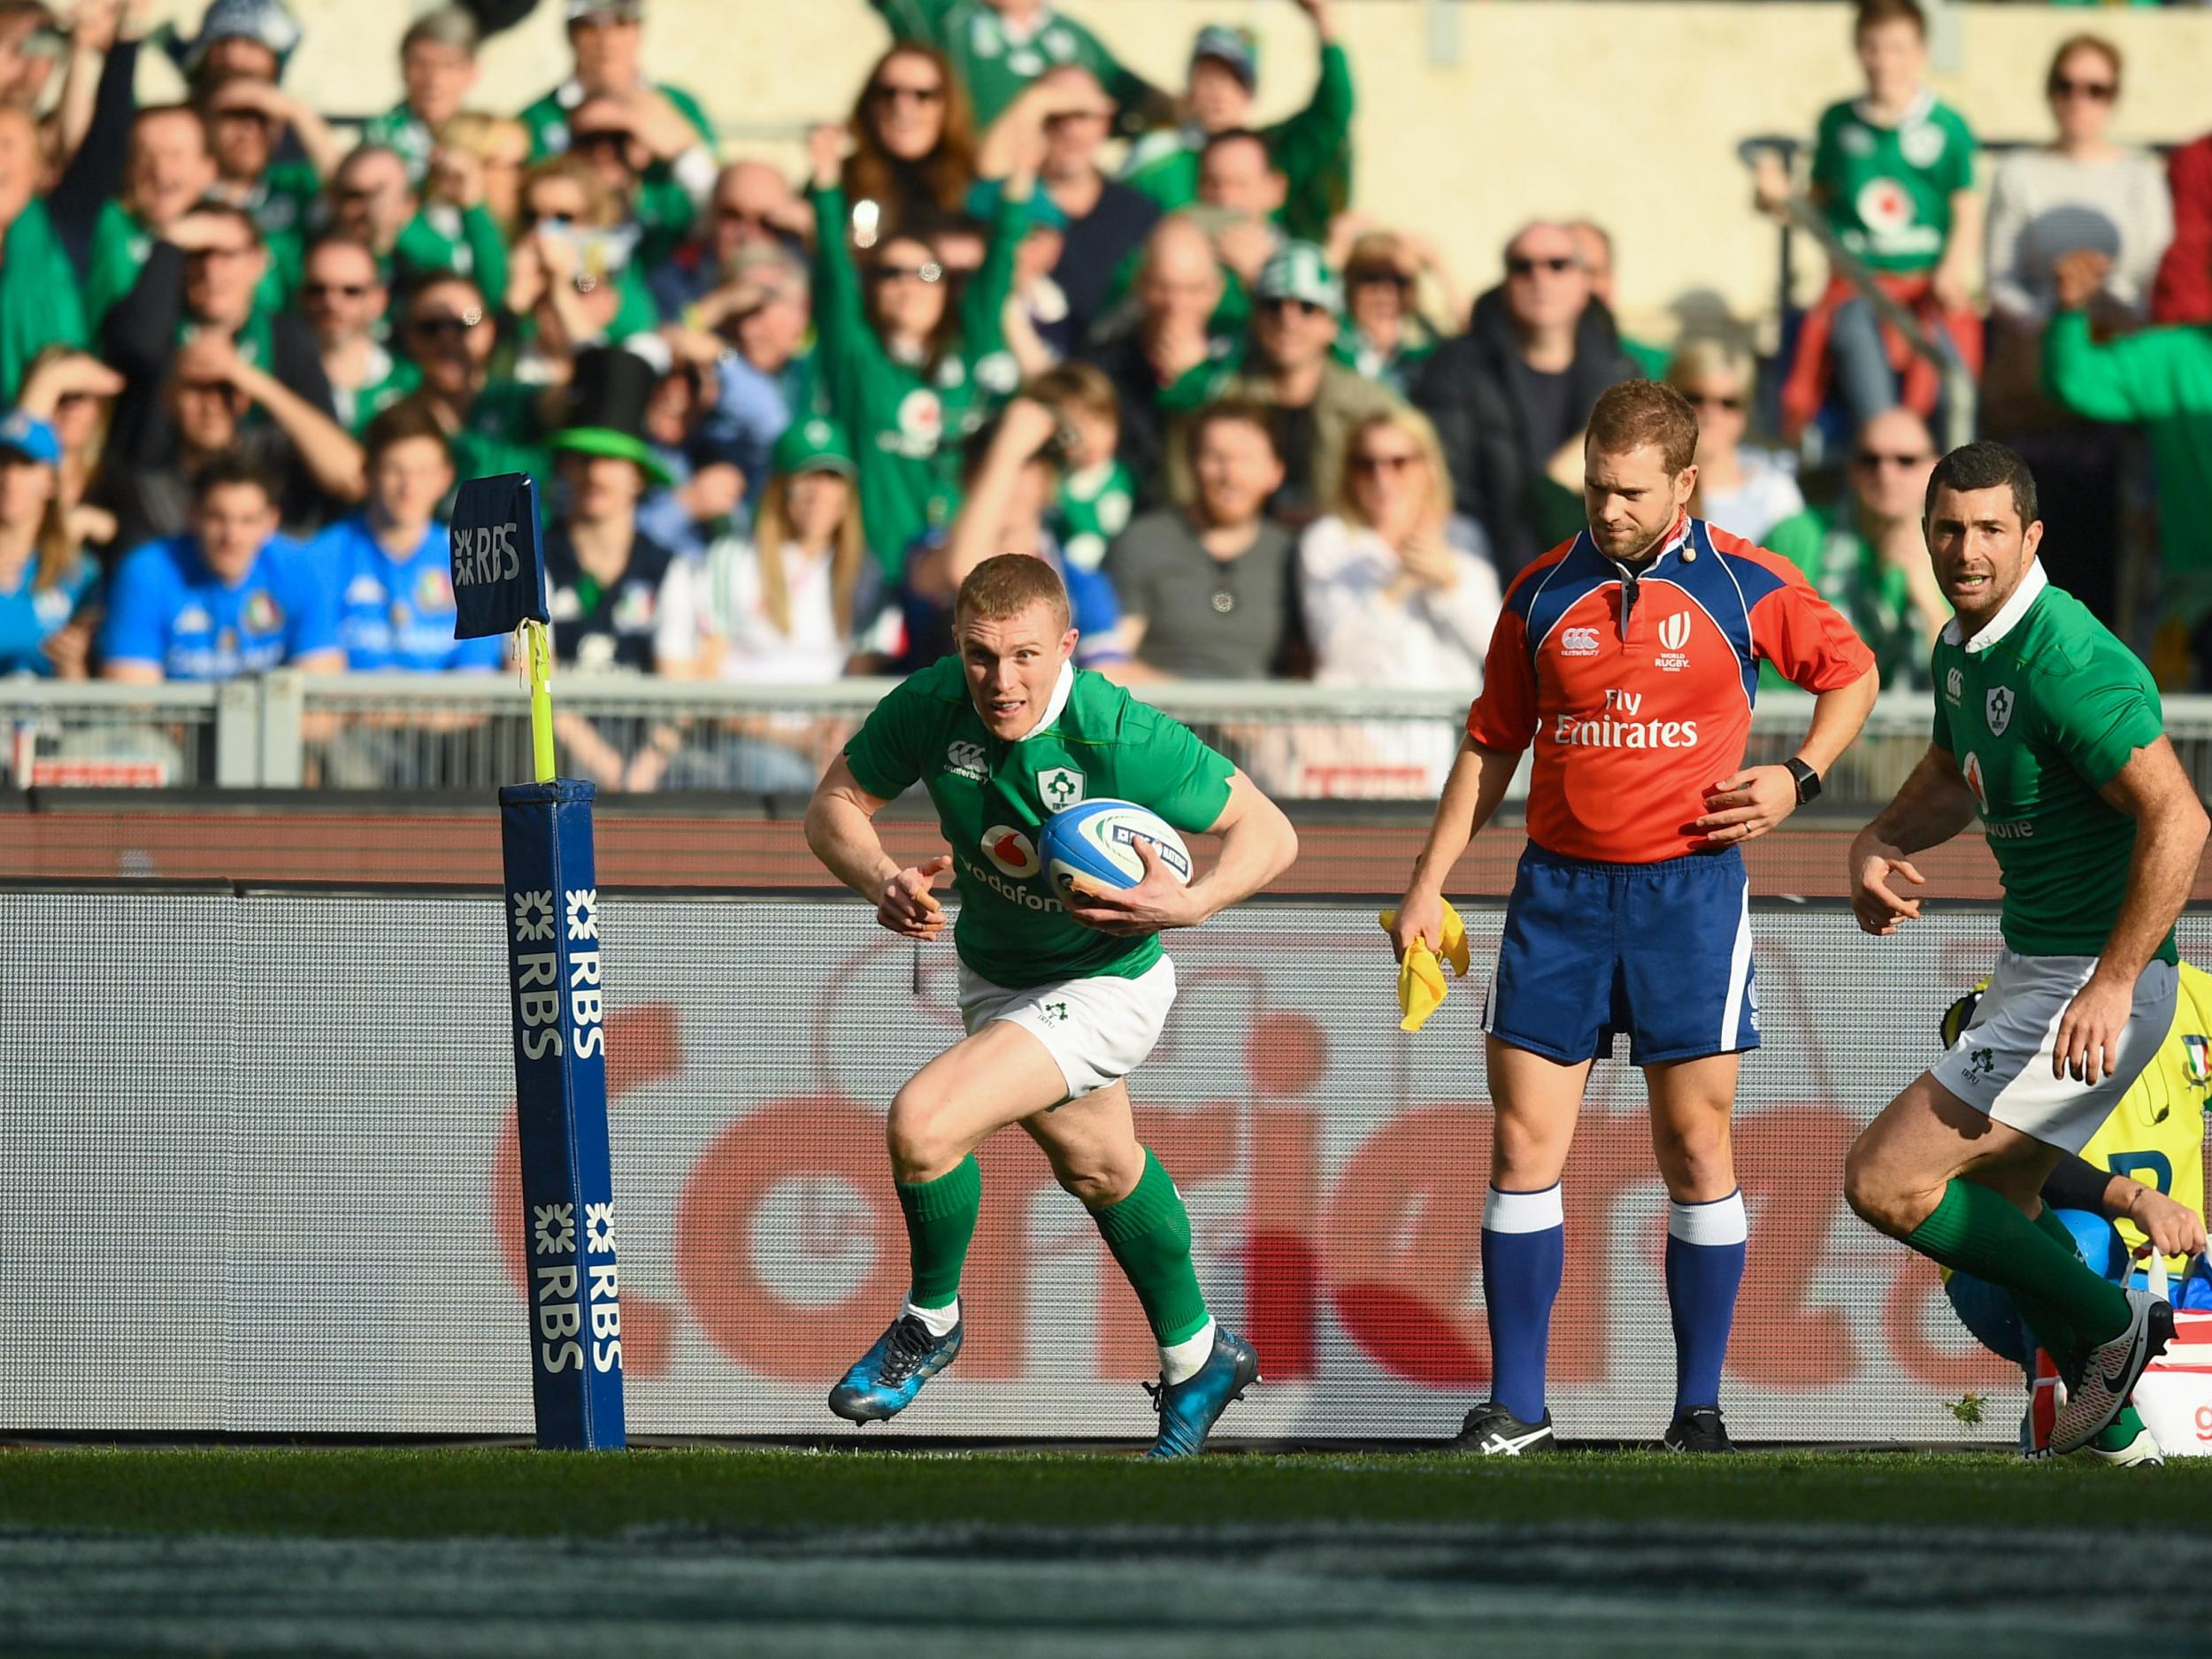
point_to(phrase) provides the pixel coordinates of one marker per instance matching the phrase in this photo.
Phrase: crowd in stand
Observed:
(1020, 300)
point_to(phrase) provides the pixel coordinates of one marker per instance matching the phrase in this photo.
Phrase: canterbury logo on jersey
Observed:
(1578, 641)
(1602, 730)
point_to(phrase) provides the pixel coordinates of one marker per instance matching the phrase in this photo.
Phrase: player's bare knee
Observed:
(920, 1149)
(1871, 1186)
(1097, 1183)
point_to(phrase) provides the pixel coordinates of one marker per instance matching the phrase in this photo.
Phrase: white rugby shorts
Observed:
(1097, 1029)
(2001, 1062)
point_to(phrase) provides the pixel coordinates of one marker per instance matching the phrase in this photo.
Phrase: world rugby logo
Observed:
(1012, 852)
(1674, 633)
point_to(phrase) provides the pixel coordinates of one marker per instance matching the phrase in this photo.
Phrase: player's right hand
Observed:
(1881, 908)
(1420, 915)
(2171, 1228)
(908, 908)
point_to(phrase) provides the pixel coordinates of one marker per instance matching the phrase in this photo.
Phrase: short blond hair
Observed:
(1006, 586)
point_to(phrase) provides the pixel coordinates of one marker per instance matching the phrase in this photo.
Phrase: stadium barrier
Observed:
(389, 732)
(263, 1179)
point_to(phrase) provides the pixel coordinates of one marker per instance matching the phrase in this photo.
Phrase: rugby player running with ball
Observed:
(1060, 1000)
(2051, 729)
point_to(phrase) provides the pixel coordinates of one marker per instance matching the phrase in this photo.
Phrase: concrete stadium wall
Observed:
(1475, 116)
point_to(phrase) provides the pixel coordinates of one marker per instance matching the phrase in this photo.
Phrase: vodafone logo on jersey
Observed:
(1012, 852)
(1674, 635)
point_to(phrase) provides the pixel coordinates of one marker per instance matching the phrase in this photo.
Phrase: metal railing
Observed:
(406, 733)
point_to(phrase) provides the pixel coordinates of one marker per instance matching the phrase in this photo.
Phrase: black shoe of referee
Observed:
(1493, 1432)
(1697, 1430)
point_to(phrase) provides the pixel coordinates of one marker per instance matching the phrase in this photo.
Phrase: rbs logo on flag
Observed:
(498, 561)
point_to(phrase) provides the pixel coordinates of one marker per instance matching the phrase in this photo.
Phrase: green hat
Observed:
(1300, 270)
(1239, 49)
(815, 444)
(607, 398)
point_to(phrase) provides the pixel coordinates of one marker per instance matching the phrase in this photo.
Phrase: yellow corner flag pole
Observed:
(537, 642)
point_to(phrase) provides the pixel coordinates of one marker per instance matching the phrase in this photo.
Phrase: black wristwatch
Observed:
(1808, 781)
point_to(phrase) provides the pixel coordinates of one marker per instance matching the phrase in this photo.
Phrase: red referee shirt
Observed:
(1637, 689)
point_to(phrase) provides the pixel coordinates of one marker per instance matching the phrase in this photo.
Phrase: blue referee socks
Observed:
(1705, 1252)
(1523, 1254)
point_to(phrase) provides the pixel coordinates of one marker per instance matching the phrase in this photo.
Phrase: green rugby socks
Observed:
(1148, 1232)
(1977, 1230)
(940, 1221)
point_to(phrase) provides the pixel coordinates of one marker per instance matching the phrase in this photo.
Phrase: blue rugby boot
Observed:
(883, 1380)
(1189, 1410)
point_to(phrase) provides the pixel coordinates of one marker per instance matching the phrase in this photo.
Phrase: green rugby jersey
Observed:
(2040, 711)
(1096, 741)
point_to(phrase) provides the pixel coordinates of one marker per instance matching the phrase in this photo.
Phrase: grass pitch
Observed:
(407, 1551)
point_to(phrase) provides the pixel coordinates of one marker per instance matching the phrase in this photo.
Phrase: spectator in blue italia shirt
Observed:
(229, 597)
(44, 574)
(391, 564)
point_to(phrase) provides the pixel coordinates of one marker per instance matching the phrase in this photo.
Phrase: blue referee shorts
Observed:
(1661, 951)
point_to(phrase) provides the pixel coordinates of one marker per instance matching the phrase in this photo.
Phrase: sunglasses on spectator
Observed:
(445, 326)
(1378, 276)
(1874, 460)
(207, 389)
(1392, 463)
(891, 92)
(1520, 264)
(2096, 91)
(930, 273)
(604, 138)
(1713, 400)
(218, 253)
(1284, 302)
(68, 399)
(332, 290)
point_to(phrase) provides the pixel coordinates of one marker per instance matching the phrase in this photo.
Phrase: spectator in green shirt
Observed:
(372, 200)
(342, 299)
(1385, 336)
(607, 37)
(572, 275)
(1893, 171)
(168, 170)
(997, 47)
(913, 161)
(1868, 558)
(2160, 377)
(1312, 149)
(39, 300)
(437, 61)
(497, 426)
(909, 372)
(247, 119)
(626, 142)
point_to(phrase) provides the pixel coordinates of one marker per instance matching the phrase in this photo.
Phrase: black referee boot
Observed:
(1697, 1430)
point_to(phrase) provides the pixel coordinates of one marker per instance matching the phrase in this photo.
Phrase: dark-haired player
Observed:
(2050, 728)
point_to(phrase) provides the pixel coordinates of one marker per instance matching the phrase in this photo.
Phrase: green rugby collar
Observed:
(2008, 618)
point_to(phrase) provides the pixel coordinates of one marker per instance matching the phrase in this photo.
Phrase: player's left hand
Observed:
(2171, 1228)
(1157, 902)
(2087, 1047)
(1750, 803)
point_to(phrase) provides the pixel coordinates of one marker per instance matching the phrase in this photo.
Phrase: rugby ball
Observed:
(1095, 842)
